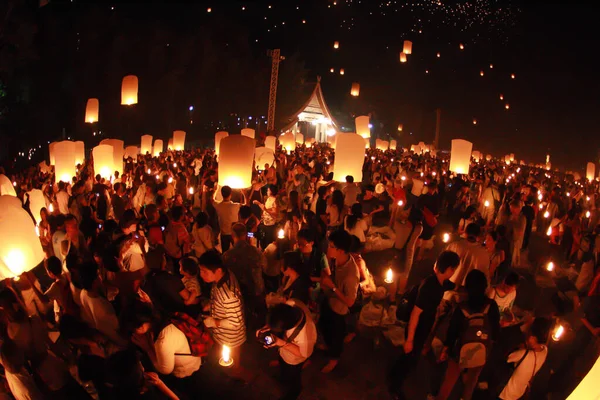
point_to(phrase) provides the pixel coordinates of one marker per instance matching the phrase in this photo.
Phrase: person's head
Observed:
(125, 375)
(61, 186)
(292, 263)
(271, 190)
(151, 212)
(283, 317)
(322, 192)
(53, 267)
(128, 222)
(473, 231)
(177, 213)
(515, 207)
(490, 240)
(355, 245)
(470, 212)
(239, 232)
(211, 266)
(349, 179)
(476, 285)
(188, 267)
(88, 275)
(339, 244)
(337, 198)
(446, 264)
(226, 192)
(201, 219)
(511, 282)
(539, 331)
(44, 214)
(245, 213)
(305, 240)
(161, 202)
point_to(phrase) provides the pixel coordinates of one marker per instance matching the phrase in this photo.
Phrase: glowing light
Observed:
(400, 203)
(403, 178)
(461, 46)
(149, 172)
(550, 266)
(191, 108)
(342, 71)
(549, 231)
(474, 121)
(501, 97)
(491, 66)
(332, 70)
(446, 237)
(170, 180)
(14, 184)
(336, 45)
(389, 276)
(191, 191)
(208, 10)
(512, 76)
(438, 55)
(37, 230)
(558, 333)
(51, 208)
(541, 206)
(486, 204)
(174, 165)
(507, 106)
(226, 360)
(547, 214)
(281, 234)
(588, 214)
(568, 194)
(481, 73)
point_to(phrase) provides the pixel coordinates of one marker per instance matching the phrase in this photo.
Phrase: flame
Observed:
(446, 237)
(560, 330)
(587, 214)
(389, 276)
(149, 172)
(191, 190)
(549, 232)
(400, 203)
(550, 267)
(547, 214)
(281, 234)
(486, 204)
(37, 230)
(226, 354)
(51, 208)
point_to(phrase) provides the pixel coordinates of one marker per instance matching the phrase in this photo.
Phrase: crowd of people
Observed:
(152, 273)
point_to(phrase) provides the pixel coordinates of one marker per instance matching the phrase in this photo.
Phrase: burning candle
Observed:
(540, 196)
(281, 234)
(174, 165)
(51, 208)
(446, 238)
(587, 198)
(541, 206)
(170, 179)
(560, 330)
(486, 204)
(549, 232)
(157, 177)
(433, 173)
(400, 203)
(14, 183)
(587, 214)
(149, 172)
(547, 214)
(550, 266)
(389, 276)
(226, 360)
(421, 174)
(372, 158)
(403, 178)
(191, 190)
(568, 194)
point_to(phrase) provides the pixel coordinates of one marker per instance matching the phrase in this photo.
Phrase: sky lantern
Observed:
(355, 90)
(590, 173)
(310, 141)
(349, 157)
(511, 156)
(474, 121)
(588, 388)
(460, 157)
(158, 148)
(461, 46)
(271, 142)
(262, 156)
(37, 201)
(129, 90)
(362, 126)
(332, 140)
(491, 66)
(336, 45)
(79, 152)
(236, 156)
(400, 127)
(92, 110)
(481, 73)
(220, 135)
(146, 145)
(438, 55)
(118, 152)
(501, 97)
(64, 154)
(342, 71)
(402, 57)
(407, 48)
(170, 144)
(507, 106)
(393, 145)
(512, 76)
(248, 132)
(382, 145)
(488, 157)
(332, 70)
(476, 155)
(103, 160)
(6, 186)
(20, 247)
(51, 152)
(178, 140)
(132, 151)
(299, 139)
(288, 141)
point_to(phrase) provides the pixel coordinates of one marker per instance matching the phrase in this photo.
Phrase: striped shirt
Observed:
(226, 303)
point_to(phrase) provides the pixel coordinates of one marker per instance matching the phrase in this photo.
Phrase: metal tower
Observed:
(276, 59)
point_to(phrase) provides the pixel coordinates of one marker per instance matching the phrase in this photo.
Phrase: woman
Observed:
(294, 204)
(292, 227)
(497, 255)
(45, 234)
(469, 216)
(335, 210)
(355, 224)
(269, 216)
(294, 284)
(202, 235)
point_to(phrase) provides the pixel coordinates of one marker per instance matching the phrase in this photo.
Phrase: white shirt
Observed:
(62, 200)
(306, 339)
(517, 384)
(472, 256)
(99, 314)
(351, 192)
(172, 349)
(203, 239)
(504, 302)
(227, 212)
(359, 229)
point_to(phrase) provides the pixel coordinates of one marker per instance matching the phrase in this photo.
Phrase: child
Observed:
(504, 295)
(189, 269)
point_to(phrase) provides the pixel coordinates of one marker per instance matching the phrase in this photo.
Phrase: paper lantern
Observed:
(178, 140)
(476, 155)
(158, 148)
(407, 48)
(367, 142)
(218, 137)
(262, 156)
(118, 152)
(355, 90)
(310, 141)
(336, 45)
(379, 144)
(362, 126)
(64, 154)
(288, 141)
(342, 72)
(248, 132)
(349, 157)
(132, 152)
(170, 144)
(129, 90)
(393, 145)
(461, 46)
(79, 152)
(512, 157)
(236, 154)
(332, 141)
(299, 139)
(37, 201)
(103, 160)
(400, 127)
(146, 145)
(92, 110)
(402, 57)
(460, 157)
(6, 186)
(20, 247)
(588, 388)
(488, 157)
(51, 152)
(590, 173)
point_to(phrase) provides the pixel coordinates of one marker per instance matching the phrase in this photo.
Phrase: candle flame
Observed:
(549, 232)
(37, 230)
(14, 183)
(149, 171)
(446, 238)
(547, 214)
(174, 165)
(191, 190)
(170, 180)
(389, 276)
(51, 208)
(558, 333)
(587, 214)
(550, 267)
(281, 234)
(226, 354)
(486, 204)
(400, 203)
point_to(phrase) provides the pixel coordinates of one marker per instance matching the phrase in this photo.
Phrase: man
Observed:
(340, 295)
(370, 203)
(351, 191)
(133, 247)
(295, 336)
(491, 197)
(177, 238)
(314, 261)
(227, 213)
(472, 255)
(118, 201)
(62, 198)
(422, 318)
(246, 262)
(516, 226)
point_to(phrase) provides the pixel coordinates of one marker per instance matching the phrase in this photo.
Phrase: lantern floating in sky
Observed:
(336, 45)
(332, 70)
(402, 57)
(349, 157)
(218, 137)
(178, 140)
(288, 141)
(170, 144)
(92, 110)
(474, 121)
(299, 139)
(382, 145)
(236, 156)
(103, 160)
(550, 266)
(271, 142)
(37, 201)
(460, 157)
(64, 153)
(481, 73)
(438, 55)
(146, 144)
(355, 90)
(51, 153)
(6, 186)
(158, 148)
(512, 76)
(491, 66)
(393, 145)
(407, 48)
(501, 97)
(399, 127)
(132, 151)
(262, 156)
(590, 173)
(79, 152)
(118, 152)
(362, 126)
(461, 46)
(342, 71)
(248, 132)
(129, 90)
(507, 106)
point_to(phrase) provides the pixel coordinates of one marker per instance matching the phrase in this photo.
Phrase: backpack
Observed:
(475, 338)
(199, 340)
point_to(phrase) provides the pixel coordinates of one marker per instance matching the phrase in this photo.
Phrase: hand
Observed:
(263, 329)
(152, 378)
(210, 322)
(256, 202)
(327, 283)
(408, 346)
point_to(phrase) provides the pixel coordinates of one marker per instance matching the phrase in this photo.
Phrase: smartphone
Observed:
(250, 234)
(99, 226)
(269, 340)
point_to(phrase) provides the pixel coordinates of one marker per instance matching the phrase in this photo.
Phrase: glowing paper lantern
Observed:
(92, 110)
(400, 127)
(342, 71)
(37, 201)
(262, 156)
(132, 151)
(407, 48)
(6, 186)
(310, 141)
(332, 140)
(103, 160)
(248, 132)
(460, 157)
(299, 139)
(170, 144)
(79, 152)
(64, 154)
(129, 90)
(476, 156)
(146, 145)
(336, 45)
(590, 173)
(220, 135)
(512, 157)
(20, 247)
(393, 145)
(236, 155)
(288, 141)
(402, 57)
(51, 151)
(158, 148)
(379, 145)
(488, 157)
(362, 126)
(178, 140)
(355, 90)
(588, 388)
(349, 156)
(118, 152)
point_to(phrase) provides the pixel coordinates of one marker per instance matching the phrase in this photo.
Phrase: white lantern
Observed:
(590, 172)
(236, 154)
(512, 157)
(460, 158)
(178, 140)
(92, 110)
(64, 154)
(349, 157)
(299, 139)
(249, 132)
(37, 201)
(588, 388)
(262, 156)
(393, 145)
(129, 90)
(400, 127)
(132, 151)
(271, 142)
(342, 72)
(362, 126)
(332, 140)
(79, 152)
(382, 145)
(218, 136)
(103, 160)
(355, 90)
(336, 45)
(476, 156)
(402, 57)
(288, 141)
(367, 142)
(20, 247)
(158, 148)
(51, 151)
(6, 186)
(118, 152)
(146, 145)
(407, 48)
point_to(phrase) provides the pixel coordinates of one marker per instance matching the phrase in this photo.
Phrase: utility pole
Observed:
(438, 117)
(276, 58)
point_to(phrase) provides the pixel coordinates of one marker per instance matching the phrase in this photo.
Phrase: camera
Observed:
(266, 338)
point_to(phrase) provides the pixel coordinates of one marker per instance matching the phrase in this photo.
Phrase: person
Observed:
(469, 354)
(162, 286)
(530, 360)
(118, 201)
(370, 203)
(177, 239)
(202, 235)
(294, 285)
(295, 335)
(335, 210)
(351, 191)
(292, 226)
(355, 224)
(269, 216)
(314, 261)
(472, 255)
(469, 216)
(496, 254)
(422, 318)
(273, 267)
(504, 295)
(340, 295)
(20, 382)
(62, 198)
(188, 268)
(227, 213)
(59, 291)
(529, 213)
(516, 230)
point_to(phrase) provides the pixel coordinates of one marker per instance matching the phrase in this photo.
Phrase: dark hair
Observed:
(540, 329)
(355, 244)
(306, 234)
(189, 266)
(226, 192)
(245, 212)
(469, 211)
(283, 317)
(447, 259)
(54, 265)
(273, 189)
(293, 260)
(322, 191)
(349, 179)
(88, 273)
(337, 199)
(476, 285)
(341, 240)
(356, 213)
(211, 260)
(13, 358)
(493, 235)
(473, 230)
(512, 279)
(124, 374)
(239, 230)
(201, 219)
(501, 231)
(176, 213)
